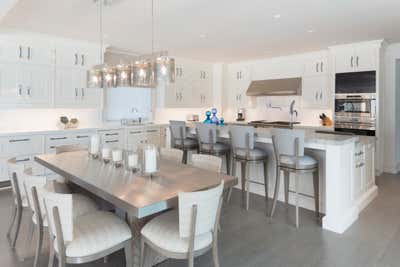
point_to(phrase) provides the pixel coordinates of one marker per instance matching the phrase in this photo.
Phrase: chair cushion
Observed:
(96, 232)
(254, 154)
(218, 147)
(187, 143)
(163, 232)
(304, 162)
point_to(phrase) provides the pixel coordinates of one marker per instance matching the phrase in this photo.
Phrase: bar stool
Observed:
(244, 151)
(289, 154)
(180, 140)
(207, 138)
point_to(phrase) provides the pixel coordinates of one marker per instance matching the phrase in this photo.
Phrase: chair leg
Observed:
(276, 190)
(286, 185)
(297, 199)
(12, 221)
(215, 253)
(228, 198)
(39, 242)
(316, 192)
(51, 254)
(128, 254)
(19, 218)
(29, 238)
(243, 179)
(266, 185)
(142, 252)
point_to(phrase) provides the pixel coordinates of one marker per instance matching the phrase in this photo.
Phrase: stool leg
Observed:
(228, 163)
(233, 162)
(185, 156)
(266, 185)
(243, 178)
(276, 191)
(316, 191)
(286, 180)
(297, 200)
(247, 186)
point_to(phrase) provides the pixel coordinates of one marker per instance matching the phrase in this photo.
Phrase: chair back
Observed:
(39, 182)
(70, 148)
(207, 162)
(207, 206)
(18, 170)
(242, 136)
(206, 133)
(288, 142)
(64, 204)
(178, 130)
(171, 154)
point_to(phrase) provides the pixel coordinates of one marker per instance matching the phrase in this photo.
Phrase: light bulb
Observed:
(163, 70)
(108, 77)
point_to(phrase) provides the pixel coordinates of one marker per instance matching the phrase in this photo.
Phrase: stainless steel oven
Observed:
(355, 113)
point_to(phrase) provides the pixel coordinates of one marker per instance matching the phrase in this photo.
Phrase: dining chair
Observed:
(245, 152)
(289, 155)
(208, 144)
(189, 231)
(20, 201)
(180, 140)
(36, 188)
(78, 236)
(207, 162)
(172, 154)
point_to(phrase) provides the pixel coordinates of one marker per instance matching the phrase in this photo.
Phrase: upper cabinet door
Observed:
(11, 87)
(316, 64)
(67, 92)
(75, 55)
(37, 83)
(365, 58)
(26, 51)
(345, 60)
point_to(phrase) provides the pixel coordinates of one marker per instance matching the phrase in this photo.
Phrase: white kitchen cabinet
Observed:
(238, 79)
(78, 55)
(202, 90)
(11, 88)
(137, 137)
(178, 93)
(316, 91)
(356, 57)
(369, 178)
(37, 83)
(113, 139)
(316, 64)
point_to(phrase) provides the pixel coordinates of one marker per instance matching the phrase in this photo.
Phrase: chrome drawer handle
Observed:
(111, 134)
(58, 138)
(23, 160)
(82, 136)
(135, 132)
(152, 131)
(19, 140)
(112, 141)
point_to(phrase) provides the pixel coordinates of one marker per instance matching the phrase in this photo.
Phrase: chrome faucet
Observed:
(292, 111)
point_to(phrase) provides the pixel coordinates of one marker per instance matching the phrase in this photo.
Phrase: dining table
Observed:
(139, 197)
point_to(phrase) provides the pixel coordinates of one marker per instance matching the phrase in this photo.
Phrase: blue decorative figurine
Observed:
(221, 121)
(214, 118)
(208, 115)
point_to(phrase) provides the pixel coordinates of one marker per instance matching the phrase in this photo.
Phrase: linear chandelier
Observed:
(146, 71)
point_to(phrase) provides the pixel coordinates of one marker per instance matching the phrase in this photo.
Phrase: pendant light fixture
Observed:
(146, 71)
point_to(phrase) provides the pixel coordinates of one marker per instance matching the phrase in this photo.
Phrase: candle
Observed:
(94, 144)
(150, 155)
(106, 153)
(132, 160)
(117, 155)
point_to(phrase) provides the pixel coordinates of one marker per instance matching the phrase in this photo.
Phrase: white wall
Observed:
(391, 116)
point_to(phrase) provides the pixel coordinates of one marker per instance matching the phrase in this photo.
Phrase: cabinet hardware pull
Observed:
(357, 61)
(351, 61)
(29, 52)
(76, 59)
(83, 92)
(58, 138)
(240, 75)
(76, 92)
(83, 60)
(28, 91)
(20, 51)
(112, 141)
(20, 140)
(52, 147)
(135, 132)
(111, 134)
(317, 67)
(320, 95)
(20, 89)
(82, 136)
(322, 66)
(359, 153)
(152, 131)
(316, 95)
(23, 160)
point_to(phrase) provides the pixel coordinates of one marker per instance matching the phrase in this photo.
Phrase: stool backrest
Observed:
(171, 154)
(288, 142)
(242, 136)
(199, 211)
(207, 162)
(178, 130)
(206, 133)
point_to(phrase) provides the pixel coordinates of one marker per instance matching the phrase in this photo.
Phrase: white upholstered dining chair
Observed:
(78, 236)
(207, 162)
(189, 231)
(171, 154)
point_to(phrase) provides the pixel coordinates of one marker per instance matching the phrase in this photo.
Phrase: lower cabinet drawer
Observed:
(22, 145)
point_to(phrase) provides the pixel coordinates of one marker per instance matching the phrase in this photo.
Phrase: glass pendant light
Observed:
(166, 68)
(123, 75)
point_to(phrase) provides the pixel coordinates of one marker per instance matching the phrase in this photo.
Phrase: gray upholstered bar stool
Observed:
(289, 155)
(207, 138)
(180, 140)
(244, 151)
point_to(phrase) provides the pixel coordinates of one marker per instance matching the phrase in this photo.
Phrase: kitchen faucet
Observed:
(292, 111)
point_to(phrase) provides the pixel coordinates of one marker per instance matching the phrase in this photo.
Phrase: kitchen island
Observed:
(346, 171)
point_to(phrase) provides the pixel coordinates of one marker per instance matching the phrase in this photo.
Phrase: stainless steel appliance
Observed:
(275, 87)
(356, 113)
(241, 114)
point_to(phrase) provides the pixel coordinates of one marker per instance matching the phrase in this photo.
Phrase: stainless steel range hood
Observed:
(275, 87)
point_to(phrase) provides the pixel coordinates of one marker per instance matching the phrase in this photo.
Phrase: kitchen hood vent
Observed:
(275, 87)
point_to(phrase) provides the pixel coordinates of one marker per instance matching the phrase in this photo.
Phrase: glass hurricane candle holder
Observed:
(117, 157)
(106, 154)
(150, 160)
(132, 161)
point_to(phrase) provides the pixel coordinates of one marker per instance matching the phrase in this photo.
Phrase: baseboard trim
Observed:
(367, 198)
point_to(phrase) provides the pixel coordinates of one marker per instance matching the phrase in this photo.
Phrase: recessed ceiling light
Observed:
(310, 31)
(277, 16)
(203, 35)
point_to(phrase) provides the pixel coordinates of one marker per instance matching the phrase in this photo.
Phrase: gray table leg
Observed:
(151, 257)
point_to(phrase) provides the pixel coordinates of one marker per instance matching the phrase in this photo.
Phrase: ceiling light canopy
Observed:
(146, 71)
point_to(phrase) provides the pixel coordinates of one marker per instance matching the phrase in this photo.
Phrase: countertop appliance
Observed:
(241, 114)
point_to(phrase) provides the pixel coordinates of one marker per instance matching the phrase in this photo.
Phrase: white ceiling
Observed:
(214, 30)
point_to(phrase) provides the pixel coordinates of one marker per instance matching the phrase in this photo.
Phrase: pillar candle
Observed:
(150, 155)
(94, 144)
(132, 160)
(117, 155)
(106, 153)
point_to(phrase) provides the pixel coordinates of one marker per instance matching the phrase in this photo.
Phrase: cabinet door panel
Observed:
(67, 86)
(365, 58)
(344, 60)
(38, 83)
(11, 87)
(316, 91)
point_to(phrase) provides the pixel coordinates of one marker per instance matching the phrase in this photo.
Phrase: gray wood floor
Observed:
(249, 239)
